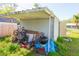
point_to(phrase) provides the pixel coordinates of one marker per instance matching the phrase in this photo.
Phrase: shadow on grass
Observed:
(31, 53)
(34, 53)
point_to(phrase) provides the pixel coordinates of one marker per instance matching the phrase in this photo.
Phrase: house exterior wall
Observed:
(7, 28)
(41, 25)
(56, 28)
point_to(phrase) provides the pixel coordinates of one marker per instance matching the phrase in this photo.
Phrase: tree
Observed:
(36, 5)
(77, 21)
(7, 7)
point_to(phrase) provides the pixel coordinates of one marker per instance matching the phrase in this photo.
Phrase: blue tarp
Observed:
(51, 45)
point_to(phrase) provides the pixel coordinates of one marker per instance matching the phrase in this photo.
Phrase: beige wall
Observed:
(63, 28)
(42, 25)
(36, 25)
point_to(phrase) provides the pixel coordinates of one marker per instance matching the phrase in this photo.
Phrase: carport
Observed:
(38, 19)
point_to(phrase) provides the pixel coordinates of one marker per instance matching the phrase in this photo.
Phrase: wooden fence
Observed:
(7, 28)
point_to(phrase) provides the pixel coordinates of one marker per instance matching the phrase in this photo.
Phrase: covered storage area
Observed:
(38, 19)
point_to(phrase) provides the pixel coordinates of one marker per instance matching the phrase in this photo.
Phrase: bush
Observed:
(23, 51)
(2, 39)
(12, 47)
(61, 49)
(60, 39)
(1, 51)
(7, 48)
(6, 39)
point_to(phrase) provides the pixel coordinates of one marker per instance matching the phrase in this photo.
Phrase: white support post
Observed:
(49, 33)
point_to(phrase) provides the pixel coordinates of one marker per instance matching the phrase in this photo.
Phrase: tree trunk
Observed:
(77, 26)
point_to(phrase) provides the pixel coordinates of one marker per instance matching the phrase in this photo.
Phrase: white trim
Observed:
(49, 32)
(7, 23)
(45, 9)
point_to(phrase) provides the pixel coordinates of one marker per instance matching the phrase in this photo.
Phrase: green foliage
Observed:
(2, 52)
(12, 47)
(77, 17)
(7, 48)
(23, 51)
(61, 49)
(53, 54)
(7, 8)
(31, 53)
(36, 5)
(6, 38)
(60, 39)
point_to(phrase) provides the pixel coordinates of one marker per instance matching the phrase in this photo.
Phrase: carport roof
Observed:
(34, 13)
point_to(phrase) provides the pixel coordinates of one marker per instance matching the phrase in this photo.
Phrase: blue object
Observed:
(50, 43)
(37, 46)
(51, 46)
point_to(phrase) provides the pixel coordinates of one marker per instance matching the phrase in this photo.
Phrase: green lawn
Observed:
(74, 33)
(69, 48)
(74, 45)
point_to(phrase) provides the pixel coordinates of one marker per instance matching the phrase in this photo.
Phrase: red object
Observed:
(41, 49)
(23, 45)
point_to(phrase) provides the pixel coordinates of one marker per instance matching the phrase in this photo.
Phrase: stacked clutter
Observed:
(34, 40)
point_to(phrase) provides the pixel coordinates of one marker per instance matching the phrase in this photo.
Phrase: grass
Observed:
(73, 33)
(74, 45)
(68, 48)
(53, 54)
(64, 48)
(7, 48)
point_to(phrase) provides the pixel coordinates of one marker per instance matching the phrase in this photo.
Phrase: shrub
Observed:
(61, 49)
(12, 47)
(7, 48)
(23, 51)
(1, 51)
(6, 39)
(60, 39)
(2, 39)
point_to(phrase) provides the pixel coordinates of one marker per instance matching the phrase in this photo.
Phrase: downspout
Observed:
(59, 28)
